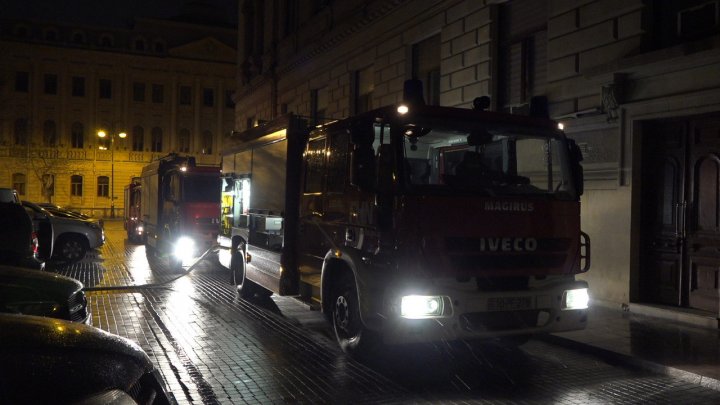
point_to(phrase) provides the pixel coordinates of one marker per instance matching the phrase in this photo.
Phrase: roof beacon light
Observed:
(403, 109)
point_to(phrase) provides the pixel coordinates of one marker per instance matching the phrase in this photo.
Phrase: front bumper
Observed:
(477, 315)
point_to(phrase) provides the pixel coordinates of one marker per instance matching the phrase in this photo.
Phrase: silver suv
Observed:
(73, 236)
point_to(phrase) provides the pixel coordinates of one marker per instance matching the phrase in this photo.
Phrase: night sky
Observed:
(117, 13)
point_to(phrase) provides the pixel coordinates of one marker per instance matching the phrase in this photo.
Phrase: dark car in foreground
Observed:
(50, 361)
(32, 292)
(19, 243)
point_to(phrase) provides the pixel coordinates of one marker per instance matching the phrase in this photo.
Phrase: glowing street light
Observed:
(103, 134)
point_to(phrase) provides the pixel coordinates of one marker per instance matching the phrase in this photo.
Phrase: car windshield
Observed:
(486, 160)
(201, 188)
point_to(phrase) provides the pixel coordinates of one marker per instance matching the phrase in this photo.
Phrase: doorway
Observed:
(680, 215)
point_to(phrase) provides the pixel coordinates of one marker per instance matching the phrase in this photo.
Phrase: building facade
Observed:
(166, 85)
(635, 82)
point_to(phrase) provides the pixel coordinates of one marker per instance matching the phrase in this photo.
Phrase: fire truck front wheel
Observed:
(352, 336)
(246, 288)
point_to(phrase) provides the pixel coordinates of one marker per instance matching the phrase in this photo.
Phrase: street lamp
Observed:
(102, 134)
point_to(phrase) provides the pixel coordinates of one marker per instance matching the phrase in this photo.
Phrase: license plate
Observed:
(509, 303)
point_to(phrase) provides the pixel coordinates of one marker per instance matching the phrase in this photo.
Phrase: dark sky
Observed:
(117, 13)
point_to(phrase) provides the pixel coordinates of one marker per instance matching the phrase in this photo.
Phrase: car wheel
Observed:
(351, 334)
(246, 288)
(72, 248)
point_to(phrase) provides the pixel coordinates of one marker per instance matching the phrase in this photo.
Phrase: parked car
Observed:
(73, 237)
(28, 292)
(67, 212)
(50, 361)
(19, 244)
(8, 195)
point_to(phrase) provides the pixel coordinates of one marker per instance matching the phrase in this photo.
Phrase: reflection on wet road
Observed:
(213, 347)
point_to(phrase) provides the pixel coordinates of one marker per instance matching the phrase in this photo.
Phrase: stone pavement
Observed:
(212, 347)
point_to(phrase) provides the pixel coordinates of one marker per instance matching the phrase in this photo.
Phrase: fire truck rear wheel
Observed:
(352, 336)
(246, 288)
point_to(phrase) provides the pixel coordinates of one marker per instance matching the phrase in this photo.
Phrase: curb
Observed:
(635, 362)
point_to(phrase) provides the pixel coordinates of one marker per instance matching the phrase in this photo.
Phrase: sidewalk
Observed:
(656, 344)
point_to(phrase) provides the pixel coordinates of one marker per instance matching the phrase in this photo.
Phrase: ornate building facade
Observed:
(635, 82)
(167, 85)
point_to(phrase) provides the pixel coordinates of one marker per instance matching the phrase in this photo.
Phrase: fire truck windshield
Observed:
(487, 160)
(201, 188)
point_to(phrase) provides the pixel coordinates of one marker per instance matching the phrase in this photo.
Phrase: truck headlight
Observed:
(184, 248)
(575, 299)
(421, 306)
(139, 229)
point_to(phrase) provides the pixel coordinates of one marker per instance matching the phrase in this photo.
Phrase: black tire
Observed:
(72, 248)
(246, 288)
(351, 334)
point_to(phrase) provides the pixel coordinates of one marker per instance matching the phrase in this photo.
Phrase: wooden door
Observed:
(664, 150)
(703, 214)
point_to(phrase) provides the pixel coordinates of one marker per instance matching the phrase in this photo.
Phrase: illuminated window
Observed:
(76, 185)
(103, 186)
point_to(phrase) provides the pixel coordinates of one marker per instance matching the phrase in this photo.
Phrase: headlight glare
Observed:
(576, 299)
(184, 248)
(421, 306)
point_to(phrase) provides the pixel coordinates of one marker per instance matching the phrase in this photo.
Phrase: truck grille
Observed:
(499, 321)
(502, 262)
(77, 305)
(466, 245)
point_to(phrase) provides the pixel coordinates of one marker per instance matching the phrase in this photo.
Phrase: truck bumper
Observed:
(484, 315)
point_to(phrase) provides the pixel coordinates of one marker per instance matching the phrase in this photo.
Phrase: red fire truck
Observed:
(180, 208)
(411, 223)
(132, 221)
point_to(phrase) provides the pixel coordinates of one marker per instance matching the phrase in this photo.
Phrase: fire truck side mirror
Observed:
(362, 167)
(577, 157)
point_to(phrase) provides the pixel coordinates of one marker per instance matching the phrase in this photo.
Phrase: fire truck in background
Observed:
(132, 223)
(411, 223)
(180, 208)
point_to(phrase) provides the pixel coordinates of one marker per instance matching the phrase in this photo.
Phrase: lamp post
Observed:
(103, 134)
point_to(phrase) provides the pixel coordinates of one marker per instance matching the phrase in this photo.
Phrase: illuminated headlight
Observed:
(139, 229)
(576, 299)
(184, 248)
(421, 306)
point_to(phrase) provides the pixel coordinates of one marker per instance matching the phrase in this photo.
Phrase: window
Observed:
(185, 95)
(184, 141)
(156, 140)
(337, 162)
(77, 136)
(207, 143)
(137, 139)
(21, 132)
(522, 54)
(426, 67)
(78, 86)
(157, 93)
(363, 89)
(229, 102)
(76, 185)
(18, 180)
(318, 104)
(674, 22)
(315, 165)
(103, 186)
(106, 41)
(138, 92)
(105, 88)
(208, 97)
(49, 133)
(48, 185)
(22, 82)
(50, 83)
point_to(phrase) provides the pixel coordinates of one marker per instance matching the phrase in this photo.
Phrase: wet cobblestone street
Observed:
(213, 347)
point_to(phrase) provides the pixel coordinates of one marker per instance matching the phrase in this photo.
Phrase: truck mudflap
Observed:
(484, 314)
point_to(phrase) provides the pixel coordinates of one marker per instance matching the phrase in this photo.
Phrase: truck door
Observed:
(312, 242)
